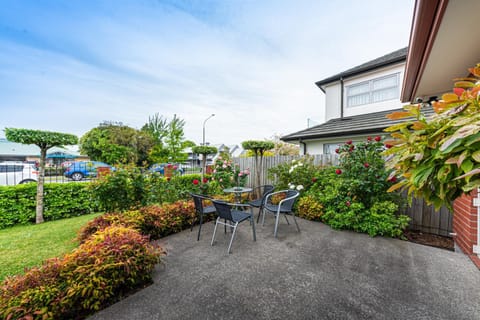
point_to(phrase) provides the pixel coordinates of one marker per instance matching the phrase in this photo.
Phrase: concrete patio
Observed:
(319, 273)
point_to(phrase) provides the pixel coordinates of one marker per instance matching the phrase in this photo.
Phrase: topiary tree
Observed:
(204, 151)
(44, 140)
(438, 157)
(258, 148)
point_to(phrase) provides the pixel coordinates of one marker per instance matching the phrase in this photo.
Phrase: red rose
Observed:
(338, 171)
(337, 150)
(366, 165)
(352, 147)
(369, 139)
(195, 181)
(349, 142)
(314, 179)
(378, 138)
(169, 166)
(175, 167)
(168, 178)
(393, 179)
(348, 203)
(388, 145)
(205, 180)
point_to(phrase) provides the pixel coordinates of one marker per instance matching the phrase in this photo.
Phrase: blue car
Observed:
(79, 170)
(160, 168)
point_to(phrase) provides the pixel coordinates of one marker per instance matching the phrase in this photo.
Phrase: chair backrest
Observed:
(223, 210)
(288, 204)
(267, 189)
(198, 201)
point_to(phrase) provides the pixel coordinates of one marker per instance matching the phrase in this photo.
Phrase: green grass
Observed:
(28, 246)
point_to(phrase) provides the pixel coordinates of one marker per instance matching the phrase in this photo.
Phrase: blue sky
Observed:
(68, 65)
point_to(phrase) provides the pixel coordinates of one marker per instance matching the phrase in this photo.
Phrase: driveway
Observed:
(318, 273)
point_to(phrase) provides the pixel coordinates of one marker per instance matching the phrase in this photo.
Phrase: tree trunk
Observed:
(204, 165)
(257, 173)
(41, 180)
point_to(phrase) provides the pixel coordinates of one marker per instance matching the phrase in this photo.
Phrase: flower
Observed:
(347, 203)
(393, 179)
(366, 165)
(349, 142)
(205, 180)
(337, 150)
(314, 179)
(168, 178)
(369, 139)
(378, 138)
(195, 181)
(291, 186)
(458, 91)
(388, 145)
(352, 147)
(169, 166)
(240, 174)
(338, 171)
(299, 187)
(224, 166)
(175, 167)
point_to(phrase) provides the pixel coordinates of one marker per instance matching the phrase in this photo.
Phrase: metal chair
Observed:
(285, 206)
(259, 202)
(232, 217)
(201, 210)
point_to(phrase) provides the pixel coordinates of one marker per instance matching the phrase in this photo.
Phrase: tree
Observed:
(438, 157)
(113, 143)
(259, 148)
(174, 140)
(282, 148)
(44, 140)
(204, 151)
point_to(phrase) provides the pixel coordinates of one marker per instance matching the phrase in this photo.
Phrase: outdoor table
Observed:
(238, 192)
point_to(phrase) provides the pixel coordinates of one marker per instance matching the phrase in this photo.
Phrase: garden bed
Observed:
(429, 239)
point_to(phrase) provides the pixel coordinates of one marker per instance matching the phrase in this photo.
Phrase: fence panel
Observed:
(423, 217)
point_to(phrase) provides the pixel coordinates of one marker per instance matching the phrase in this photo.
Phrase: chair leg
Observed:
(200, 227)
(214, 231)
(263, 217)
(252, 219)
(233, 236)
(260, 209)
(288, 222)
(277, 218)
(294, 219)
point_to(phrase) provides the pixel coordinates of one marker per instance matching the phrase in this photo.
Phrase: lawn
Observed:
(27, 246)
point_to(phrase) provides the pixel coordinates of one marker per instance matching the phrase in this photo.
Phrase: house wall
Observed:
(317, 146)
(465, 223)
(333, 94)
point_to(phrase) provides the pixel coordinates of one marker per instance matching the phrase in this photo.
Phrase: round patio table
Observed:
(238, 192)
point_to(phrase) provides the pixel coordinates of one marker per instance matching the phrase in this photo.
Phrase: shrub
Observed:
(383, 220)
(297, 174)
(61, 200)
(228, 174)
(104, 268)
(309, 208)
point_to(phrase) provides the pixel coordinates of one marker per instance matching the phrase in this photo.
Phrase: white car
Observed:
(13, 173)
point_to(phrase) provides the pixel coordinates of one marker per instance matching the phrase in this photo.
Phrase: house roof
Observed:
(8, 148)
(388, 59)
(440, 47)
(361, 124)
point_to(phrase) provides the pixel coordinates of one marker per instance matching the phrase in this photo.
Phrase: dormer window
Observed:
(372, 91)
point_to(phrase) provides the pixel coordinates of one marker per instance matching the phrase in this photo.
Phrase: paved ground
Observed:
(319, 273)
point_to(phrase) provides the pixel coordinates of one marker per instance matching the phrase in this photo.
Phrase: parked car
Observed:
(160, 168)
(79, 170)
(15, 172)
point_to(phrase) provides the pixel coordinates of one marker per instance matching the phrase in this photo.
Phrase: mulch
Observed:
(429, 239)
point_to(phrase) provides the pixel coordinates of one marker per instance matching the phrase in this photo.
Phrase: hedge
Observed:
(62, 200)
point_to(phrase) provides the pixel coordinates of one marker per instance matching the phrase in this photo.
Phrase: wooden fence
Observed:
(423, 217)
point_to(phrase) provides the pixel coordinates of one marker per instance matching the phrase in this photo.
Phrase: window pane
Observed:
(385, 94)
(387, 82)
(358, 100)
(358, 89)
(329, 148)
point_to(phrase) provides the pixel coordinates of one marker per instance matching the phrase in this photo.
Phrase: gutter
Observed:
(341, 97)
(304, 146)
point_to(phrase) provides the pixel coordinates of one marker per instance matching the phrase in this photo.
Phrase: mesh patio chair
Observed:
(232, 217)
(285, 207)
(259, 202)
(201, 210)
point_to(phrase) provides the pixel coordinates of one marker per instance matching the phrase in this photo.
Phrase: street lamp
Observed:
(212, 115)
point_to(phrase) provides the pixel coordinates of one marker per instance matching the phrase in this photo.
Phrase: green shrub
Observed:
(62, 200)
(382, 220)
(309, 208)
(298, 174)
(103, 269)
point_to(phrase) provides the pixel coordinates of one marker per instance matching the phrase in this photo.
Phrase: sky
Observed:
(68, 65)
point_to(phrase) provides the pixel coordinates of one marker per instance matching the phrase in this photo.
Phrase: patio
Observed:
(319, 273)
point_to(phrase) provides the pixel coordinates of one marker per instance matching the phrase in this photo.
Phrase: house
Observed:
(12, 151)
(356, 102)
(194, 159)
(443, 45)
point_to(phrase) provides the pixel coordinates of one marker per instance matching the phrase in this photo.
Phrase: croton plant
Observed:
(438, 157)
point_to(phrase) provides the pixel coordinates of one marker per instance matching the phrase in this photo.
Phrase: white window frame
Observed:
(327, 147)
(371, 91)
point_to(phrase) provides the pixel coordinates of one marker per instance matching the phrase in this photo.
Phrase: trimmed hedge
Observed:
(62, 200)
(106, 267)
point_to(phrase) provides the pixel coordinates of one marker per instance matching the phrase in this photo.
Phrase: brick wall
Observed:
(465, 223)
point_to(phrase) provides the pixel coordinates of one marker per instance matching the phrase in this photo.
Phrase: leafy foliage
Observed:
(258, 146)
(104, 268)
(205, 150)
(43, 139)
(297, 174)
(62, 200)
(438, 157)
(228, 174)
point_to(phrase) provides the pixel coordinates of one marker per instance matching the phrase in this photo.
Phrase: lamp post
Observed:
(203, 143)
